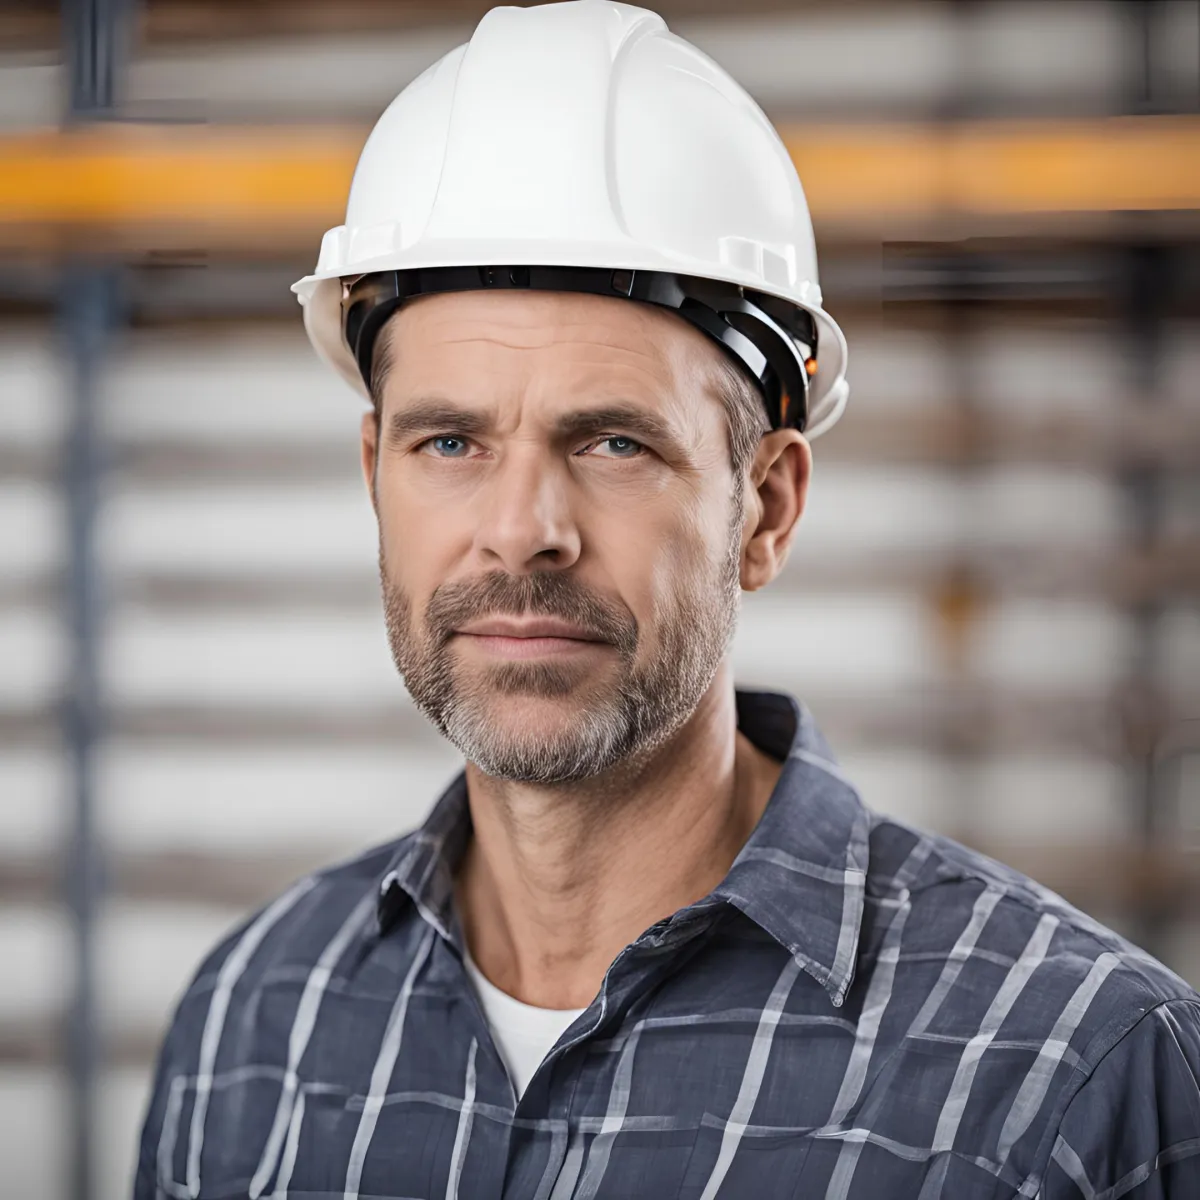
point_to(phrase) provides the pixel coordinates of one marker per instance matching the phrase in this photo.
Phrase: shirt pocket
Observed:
(245, 1135)
(214, 1131)
(232, 1136)
(764, 1164)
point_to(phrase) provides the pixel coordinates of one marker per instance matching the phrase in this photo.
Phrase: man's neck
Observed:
(557, 881)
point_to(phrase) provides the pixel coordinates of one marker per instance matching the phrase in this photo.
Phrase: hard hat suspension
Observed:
(776, 343)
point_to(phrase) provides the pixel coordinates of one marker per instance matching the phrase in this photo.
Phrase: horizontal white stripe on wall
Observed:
(813, 643)
(875, 58)
(33, 657)
(34, 1137)
(264, 385)
(35, 948)
(33, 531)
(262, 382)
(871, 59)
(258, 801)
(34, 792)
(329, 803)
(251, 529)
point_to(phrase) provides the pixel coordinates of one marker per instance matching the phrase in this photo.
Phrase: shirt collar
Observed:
(802, 873)
(800, 876)
(422, 869)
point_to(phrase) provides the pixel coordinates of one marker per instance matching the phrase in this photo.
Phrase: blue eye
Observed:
(620, 447)
(449, 446)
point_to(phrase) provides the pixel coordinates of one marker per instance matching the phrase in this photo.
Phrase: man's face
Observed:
(553, 465)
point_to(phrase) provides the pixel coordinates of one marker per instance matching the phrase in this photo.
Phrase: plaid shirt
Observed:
(859, 1010)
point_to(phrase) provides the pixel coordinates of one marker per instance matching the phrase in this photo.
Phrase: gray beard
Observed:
(616, 722)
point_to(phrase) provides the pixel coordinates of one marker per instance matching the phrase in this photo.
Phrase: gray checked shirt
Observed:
(859, 1011)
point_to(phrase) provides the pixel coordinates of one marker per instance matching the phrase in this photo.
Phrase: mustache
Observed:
(541, 594)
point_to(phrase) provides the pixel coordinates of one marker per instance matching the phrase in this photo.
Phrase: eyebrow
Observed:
(642, 425)
(435, 414)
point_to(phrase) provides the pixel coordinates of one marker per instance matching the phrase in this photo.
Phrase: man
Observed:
(650, 943)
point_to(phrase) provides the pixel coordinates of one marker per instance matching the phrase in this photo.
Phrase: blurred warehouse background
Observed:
(993, 604)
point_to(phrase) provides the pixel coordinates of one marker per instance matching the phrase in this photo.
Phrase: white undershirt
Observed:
(524, 1035)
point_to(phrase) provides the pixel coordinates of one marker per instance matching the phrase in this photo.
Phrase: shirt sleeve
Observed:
(145, 1179)
(1133, 1129)
(178, 1058)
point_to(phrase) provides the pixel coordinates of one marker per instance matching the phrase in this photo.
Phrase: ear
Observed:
(778, 488)
(370, 453)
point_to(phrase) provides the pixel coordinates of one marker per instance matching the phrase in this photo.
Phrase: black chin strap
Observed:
(777, 347)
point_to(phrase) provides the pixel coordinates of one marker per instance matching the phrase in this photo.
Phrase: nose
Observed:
(525, 519)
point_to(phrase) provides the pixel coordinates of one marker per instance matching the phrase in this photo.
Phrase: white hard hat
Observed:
(582, 146)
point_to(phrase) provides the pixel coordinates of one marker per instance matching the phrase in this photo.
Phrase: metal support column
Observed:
(89, 311)
(97, 34)
(1147, 274)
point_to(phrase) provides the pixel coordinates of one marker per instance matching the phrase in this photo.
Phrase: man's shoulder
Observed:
(1015, 942)
(285, 938)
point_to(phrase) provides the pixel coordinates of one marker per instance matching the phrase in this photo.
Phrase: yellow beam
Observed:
(999, 167)
(140, 183)
(129, 174)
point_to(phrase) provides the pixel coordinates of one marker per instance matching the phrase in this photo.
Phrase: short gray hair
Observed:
(745, 413)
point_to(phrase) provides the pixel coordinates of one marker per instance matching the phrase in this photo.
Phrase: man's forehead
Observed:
(612, 348)
(534, 318)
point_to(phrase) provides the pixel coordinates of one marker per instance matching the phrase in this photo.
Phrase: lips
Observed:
(536, 628)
